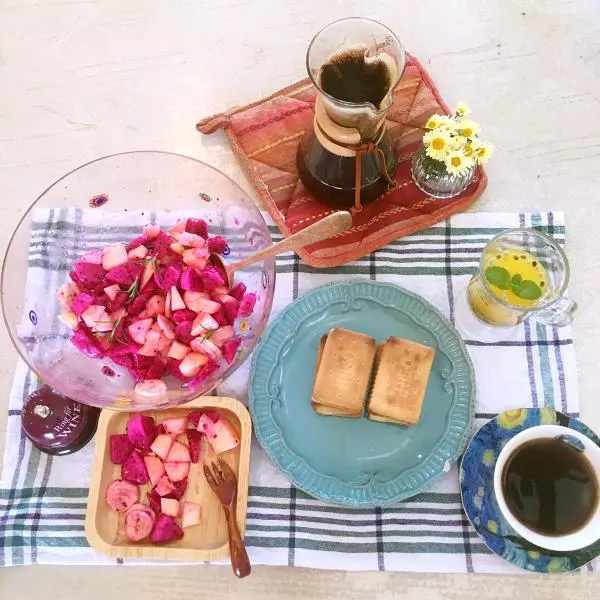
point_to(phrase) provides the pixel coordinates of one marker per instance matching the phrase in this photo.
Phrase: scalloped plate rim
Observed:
(338, 496)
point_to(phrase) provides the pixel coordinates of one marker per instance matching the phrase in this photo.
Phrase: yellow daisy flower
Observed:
(462, 109)
(438, 143)
(467, 128)
(483, 153)
(457, 163)
(446, 122)
(433, 122)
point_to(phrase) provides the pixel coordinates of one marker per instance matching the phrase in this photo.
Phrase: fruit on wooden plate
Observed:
(139, 521)
(220, 433)
(122, 495)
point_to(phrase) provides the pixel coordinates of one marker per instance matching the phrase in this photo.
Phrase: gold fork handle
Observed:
(240, 563)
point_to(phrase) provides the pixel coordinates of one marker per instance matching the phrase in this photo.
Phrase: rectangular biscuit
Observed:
(343, 371)
(402, 370)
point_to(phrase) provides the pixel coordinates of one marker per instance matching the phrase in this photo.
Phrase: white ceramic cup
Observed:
(581, 538)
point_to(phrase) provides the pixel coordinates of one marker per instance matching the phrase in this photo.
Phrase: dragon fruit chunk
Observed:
(140, 431)
(211, 278)
(197, 226)
(120, 448)
(134, 469)
(229, 349)
(190, 280)
(82, 302)
(247, 305)
(165, 530)
(218, 245)
(238, 291)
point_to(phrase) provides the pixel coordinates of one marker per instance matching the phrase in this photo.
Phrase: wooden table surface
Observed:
(80, 79)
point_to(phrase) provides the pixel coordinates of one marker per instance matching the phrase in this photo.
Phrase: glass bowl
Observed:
(105, 202)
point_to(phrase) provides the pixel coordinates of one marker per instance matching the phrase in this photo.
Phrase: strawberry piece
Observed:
(114, 256)
(164, 486)
(162, 445)
(218, 245)
(138, 330)
(178, 453)
(176, 471)
(194, 438)
(190, 514)
(175, 426)
(247, 305)
(169, 506)
(155, 468)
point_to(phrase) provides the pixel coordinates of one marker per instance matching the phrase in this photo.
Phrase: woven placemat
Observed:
(265, 135)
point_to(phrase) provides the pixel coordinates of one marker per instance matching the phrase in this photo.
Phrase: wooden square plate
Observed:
(207, 540)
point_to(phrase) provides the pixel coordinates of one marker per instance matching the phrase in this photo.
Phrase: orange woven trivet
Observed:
(265, 135)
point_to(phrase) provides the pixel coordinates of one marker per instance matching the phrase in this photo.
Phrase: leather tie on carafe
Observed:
(360, 149)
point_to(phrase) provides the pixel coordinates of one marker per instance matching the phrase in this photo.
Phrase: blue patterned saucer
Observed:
(477, 490)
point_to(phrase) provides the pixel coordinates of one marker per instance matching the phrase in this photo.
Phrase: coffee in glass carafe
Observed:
(347, 158)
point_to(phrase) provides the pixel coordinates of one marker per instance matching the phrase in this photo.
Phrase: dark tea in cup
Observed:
(550, 486)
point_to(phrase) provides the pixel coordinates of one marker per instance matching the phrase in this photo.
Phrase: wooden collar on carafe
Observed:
(346, 141)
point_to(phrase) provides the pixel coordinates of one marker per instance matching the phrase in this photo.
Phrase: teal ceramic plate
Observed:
(479, 501)
(358, 462)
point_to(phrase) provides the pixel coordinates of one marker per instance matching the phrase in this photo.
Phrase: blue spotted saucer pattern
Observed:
(477, 489)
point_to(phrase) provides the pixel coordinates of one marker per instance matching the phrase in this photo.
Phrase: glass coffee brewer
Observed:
(347, 158)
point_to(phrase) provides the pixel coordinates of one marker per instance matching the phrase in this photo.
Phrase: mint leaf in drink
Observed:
(498, 276)
(516, 279)
(528, 290)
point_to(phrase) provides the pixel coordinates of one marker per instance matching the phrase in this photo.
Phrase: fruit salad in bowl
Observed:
(109, 290)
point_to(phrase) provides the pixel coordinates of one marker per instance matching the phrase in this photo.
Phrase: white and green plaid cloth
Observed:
(43, 498)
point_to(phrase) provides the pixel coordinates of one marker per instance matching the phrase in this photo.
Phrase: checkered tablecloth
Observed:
(43, 498)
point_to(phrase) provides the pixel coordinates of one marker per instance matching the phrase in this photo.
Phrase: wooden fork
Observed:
(223, 483)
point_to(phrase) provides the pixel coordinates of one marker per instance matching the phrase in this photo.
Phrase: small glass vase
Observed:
(431, 177)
